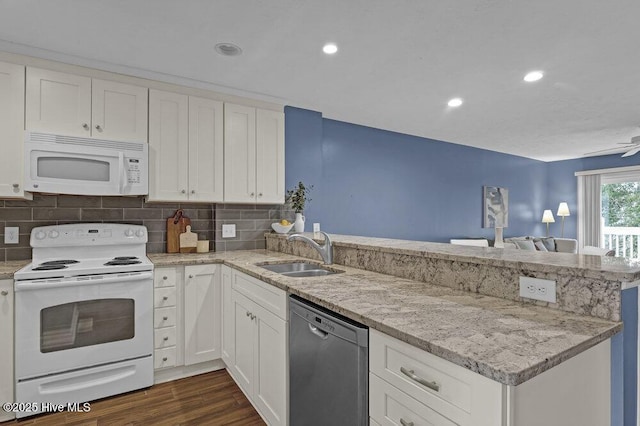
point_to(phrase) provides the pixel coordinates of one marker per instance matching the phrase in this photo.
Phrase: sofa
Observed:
(549, 244)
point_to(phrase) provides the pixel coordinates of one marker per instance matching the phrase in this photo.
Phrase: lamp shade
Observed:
(547, 217)
(563, 210)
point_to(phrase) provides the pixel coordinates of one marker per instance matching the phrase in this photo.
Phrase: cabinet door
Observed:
(227, 317)
(243, 342)
(6, 349)
(239, 154)
(270, 156)
(118, 111)
(58, 103)
(201, 313)
(206, 144)
(271, 357)
(168, 146)
(12, 130)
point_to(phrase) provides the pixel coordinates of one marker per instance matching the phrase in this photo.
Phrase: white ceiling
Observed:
(398, 63)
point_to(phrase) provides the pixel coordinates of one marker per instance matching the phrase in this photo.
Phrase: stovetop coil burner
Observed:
(59, 262)
(121, 262)
(125, 258)
(49, 267)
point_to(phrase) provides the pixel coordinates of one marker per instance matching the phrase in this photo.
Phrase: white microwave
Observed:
(80, 166)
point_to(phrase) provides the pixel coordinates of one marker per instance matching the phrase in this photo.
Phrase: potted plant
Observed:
(297, 198)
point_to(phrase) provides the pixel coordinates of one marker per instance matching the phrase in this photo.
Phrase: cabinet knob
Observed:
(165, 277)
(165, 298)
(190, 276)
(184, 191)
(166, 338)
(164, 358)
(193, 191)
(260, 194)
(4, 292)
(16, 185)
(403, 422)
(85, 126)
(253, 194)
(98, 128)
(248, 313)
(165, 318)
(253, 317)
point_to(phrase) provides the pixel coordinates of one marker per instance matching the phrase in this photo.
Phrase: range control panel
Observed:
(87, 234)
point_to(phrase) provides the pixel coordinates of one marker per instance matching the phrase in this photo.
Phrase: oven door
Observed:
(67, 325)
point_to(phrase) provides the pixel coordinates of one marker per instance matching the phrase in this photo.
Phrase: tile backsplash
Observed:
(206, 219)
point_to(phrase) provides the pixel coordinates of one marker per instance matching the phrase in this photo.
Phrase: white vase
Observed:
(499, 242)
(298, 225)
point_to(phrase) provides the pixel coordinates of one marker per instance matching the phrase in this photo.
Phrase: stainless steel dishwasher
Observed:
(328, 367)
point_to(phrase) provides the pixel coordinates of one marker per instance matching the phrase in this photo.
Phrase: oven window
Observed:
(86, 323)
(81, 169)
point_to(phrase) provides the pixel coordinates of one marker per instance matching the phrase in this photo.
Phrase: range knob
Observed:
(40, 235)
(140, 233)
(54, 234)
(129, 232)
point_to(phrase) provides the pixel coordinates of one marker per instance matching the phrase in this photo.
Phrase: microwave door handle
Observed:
(123, 173)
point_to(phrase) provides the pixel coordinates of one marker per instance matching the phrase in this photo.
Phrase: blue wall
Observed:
(378, 183)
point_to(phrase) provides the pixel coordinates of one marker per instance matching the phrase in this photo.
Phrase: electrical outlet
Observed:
(11, 235)
(229, 231)
(538, 289)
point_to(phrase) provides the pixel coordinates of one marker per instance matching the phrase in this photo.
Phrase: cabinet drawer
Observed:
(164, 337)
(389, 405)
(164, 296)
(163, 358)
(164, 277)
(164, 317)
(269, 297)
(405, 367)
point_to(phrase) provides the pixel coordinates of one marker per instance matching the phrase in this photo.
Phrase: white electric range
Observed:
(83, 315)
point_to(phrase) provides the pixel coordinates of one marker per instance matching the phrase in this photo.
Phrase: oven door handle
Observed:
(83, 281)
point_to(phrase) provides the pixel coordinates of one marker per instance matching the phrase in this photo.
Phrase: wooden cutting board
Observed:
(176, 225)
(188, 241)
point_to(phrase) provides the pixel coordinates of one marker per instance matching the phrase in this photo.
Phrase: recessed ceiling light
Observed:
(228, 49)
(455, 102)
(533, 76)
(330, 48)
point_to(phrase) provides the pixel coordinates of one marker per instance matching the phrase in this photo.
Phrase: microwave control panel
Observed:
(133, 171)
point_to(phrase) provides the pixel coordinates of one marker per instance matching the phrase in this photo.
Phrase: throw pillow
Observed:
(540, 246)
(549, 243)
(525, 245)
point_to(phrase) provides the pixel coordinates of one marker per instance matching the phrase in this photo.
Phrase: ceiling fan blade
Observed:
(609, 150)
(631, 152)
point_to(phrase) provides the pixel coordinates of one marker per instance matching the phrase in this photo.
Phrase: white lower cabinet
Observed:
(187, 315)
(202, 313)
(6, 349)
(408, 386)
(257, 348)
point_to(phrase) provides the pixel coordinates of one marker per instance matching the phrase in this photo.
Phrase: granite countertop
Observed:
(599, 267)
(506, 341)
(7, 269)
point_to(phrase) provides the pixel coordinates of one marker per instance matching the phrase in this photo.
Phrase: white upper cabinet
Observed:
(12, 130)
(185, 148)
(67, 104)
(270, 156)
(254, 155)
(206, 150)
(119, 111)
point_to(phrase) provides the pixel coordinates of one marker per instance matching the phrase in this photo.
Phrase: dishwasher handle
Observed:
(320, 333)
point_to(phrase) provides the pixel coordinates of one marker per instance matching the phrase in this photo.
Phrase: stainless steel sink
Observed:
(300, 269)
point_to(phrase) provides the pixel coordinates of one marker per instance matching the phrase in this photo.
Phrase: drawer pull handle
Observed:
(165, 277)
(164, 358)
(431, 385)
(165, 298)
(4, 292)
(403, 422)
(190, 276)
(165, 338)
(253, 317)
(165, 318)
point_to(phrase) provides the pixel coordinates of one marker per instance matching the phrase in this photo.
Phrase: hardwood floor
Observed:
(207, 399)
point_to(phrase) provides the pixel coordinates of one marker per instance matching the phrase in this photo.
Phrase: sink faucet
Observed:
(325, 250)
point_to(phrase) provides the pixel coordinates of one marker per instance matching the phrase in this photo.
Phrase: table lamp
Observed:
(563, 210)
(547, 217)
